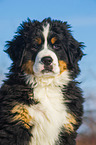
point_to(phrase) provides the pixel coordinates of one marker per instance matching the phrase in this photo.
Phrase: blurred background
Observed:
(81, 15)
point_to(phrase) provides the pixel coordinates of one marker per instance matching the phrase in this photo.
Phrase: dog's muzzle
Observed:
(46, 64)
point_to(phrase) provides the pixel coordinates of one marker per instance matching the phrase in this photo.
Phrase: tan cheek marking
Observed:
(71, 122)
(53, 40)
(22, 115)
(28, 67)
(62, 65)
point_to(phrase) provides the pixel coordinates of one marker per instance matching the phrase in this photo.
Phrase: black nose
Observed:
(47, 60)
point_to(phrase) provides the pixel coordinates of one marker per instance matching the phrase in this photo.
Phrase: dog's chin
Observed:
(46, 73)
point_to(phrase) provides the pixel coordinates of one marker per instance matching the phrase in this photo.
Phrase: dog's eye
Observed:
(56, 47)
(54, 42)
(36, 44)
(34, 49)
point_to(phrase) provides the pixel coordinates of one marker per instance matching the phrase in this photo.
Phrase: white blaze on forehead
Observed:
(45, 34)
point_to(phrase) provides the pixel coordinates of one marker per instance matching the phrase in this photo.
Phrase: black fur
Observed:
(23, 48)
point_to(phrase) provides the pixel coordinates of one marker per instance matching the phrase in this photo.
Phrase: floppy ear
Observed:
(75, 50)
(15, 49)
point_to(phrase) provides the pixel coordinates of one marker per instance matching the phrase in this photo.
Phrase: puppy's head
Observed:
(45, 48)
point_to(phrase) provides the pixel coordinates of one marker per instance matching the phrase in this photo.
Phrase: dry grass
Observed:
(86, 140)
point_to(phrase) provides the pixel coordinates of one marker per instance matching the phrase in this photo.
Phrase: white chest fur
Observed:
(49, 115)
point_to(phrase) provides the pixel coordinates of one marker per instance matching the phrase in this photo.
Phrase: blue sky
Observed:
(81, 14)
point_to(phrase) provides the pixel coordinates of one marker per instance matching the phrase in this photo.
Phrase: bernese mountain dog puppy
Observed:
(40, 101)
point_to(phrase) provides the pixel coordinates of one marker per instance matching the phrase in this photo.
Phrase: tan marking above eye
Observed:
(38, 40)
(53, 40)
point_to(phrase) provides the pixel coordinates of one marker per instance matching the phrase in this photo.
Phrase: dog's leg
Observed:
(21, 115)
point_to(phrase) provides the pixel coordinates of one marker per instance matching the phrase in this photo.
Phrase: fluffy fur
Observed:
(40, 102)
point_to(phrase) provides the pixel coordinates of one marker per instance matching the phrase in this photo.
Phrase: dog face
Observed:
(45, 48)
(46, 61)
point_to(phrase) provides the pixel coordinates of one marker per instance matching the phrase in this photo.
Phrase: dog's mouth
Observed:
(47, 69)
